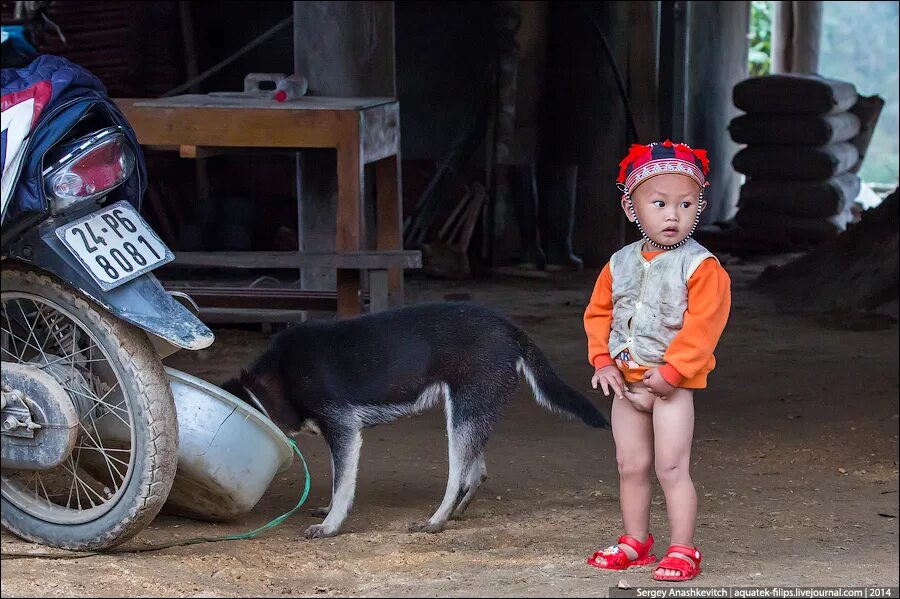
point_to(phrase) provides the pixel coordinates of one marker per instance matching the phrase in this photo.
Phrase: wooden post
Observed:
(709, 88)
(796, 31)
(389, 225)
(343, 49)
(508, 18)
(643, 81)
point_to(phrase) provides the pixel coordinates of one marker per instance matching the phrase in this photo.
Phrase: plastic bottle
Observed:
(290, 88)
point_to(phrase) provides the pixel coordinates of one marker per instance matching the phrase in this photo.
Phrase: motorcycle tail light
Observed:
(91, 167)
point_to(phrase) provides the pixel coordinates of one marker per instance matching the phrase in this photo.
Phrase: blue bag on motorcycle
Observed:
(62, 135)
(41, 104)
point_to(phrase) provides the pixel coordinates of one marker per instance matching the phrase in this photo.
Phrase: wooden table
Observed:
(361, 130)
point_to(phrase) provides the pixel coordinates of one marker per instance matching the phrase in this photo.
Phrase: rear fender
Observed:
(142, 301)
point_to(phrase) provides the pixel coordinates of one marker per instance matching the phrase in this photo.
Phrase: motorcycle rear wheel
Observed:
(119, 475)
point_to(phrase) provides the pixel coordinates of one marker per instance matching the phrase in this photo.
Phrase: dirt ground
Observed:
(795, 462)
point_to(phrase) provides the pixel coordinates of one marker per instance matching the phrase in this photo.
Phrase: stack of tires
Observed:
(799, 158)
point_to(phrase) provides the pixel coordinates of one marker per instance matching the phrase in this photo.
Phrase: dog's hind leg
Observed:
(345, 445)
(477, 474)
(461, 458)
(472, 414)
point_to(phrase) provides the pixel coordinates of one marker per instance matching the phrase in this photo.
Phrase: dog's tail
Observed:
(550, 391)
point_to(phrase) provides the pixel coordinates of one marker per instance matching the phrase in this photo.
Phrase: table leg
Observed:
(349, 302)
(390, 227)
(349, 228)
(378, 290)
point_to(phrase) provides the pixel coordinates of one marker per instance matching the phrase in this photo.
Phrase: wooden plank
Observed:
(245, 127)
(262, 299)
(292, 260)
(201, 151)
(380, 132)
(241, 100)
(389, 228)
(255, 315)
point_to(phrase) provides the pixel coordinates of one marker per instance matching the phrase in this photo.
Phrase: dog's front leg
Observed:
(345, 445)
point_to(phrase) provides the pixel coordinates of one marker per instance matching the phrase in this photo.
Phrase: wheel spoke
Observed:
(71, 488)
(107, 461)
(107, 451)
(72, 362)
(31, 330)
(11, 334)
(87, 488)
(47, 335)
(21, 356)
(99, 400)
(49, 326)
(46, 494)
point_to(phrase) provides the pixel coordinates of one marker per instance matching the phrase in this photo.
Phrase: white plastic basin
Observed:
(228, 452)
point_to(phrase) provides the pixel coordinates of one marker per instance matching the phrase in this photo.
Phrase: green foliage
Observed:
(760, 57)
(860, 45)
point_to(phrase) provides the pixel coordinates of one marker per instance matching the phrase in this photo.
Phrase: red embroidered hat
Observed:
(646, 161)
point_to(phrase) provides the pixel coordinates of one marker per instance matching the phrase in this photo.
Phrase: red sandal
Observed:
(684, 559)
(614, 558)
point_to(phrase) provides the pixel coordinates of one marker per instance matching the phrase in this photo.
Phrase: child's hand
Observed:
(609, 377)
(657, 384)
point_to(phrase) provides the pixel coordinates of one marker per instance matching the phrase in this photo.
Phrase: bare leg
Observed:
(673, 423)
(633, 433)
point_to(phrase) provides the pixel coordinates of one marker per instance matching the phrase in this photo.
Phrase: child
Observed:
(655, 316)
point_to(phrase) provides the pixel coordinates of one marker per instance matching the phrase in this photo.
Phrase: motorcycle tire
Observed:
(144, 397)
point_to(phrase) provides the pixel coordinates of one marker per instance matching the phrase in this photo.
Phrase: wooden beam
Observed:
(291, 260)
(203, 151)
(300, 126)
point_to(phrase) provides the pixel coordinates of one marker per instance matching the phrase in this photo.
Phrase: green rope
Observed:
(193, 541)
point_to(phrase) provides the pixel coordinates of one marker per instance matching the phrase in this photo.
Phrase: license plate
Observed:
(114, 245)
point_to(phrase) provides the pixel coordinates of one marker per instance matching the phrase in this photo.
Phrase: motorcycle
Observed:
(89, 429)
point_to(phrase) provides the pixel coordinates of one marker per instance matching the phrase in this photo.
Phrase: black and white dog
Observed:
(336, 378)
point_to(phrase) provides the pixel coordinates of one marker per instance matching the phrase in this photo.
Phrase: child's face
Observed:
(666, 205)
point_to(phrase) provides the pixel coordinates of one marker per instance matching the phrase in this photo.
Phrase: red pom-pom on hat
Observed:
(704, 160)
(640, 156)
(636, 151)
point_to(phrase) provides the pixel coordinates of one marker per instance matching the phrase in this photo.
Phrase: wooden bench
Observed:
(373, 265)
(362, 131)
